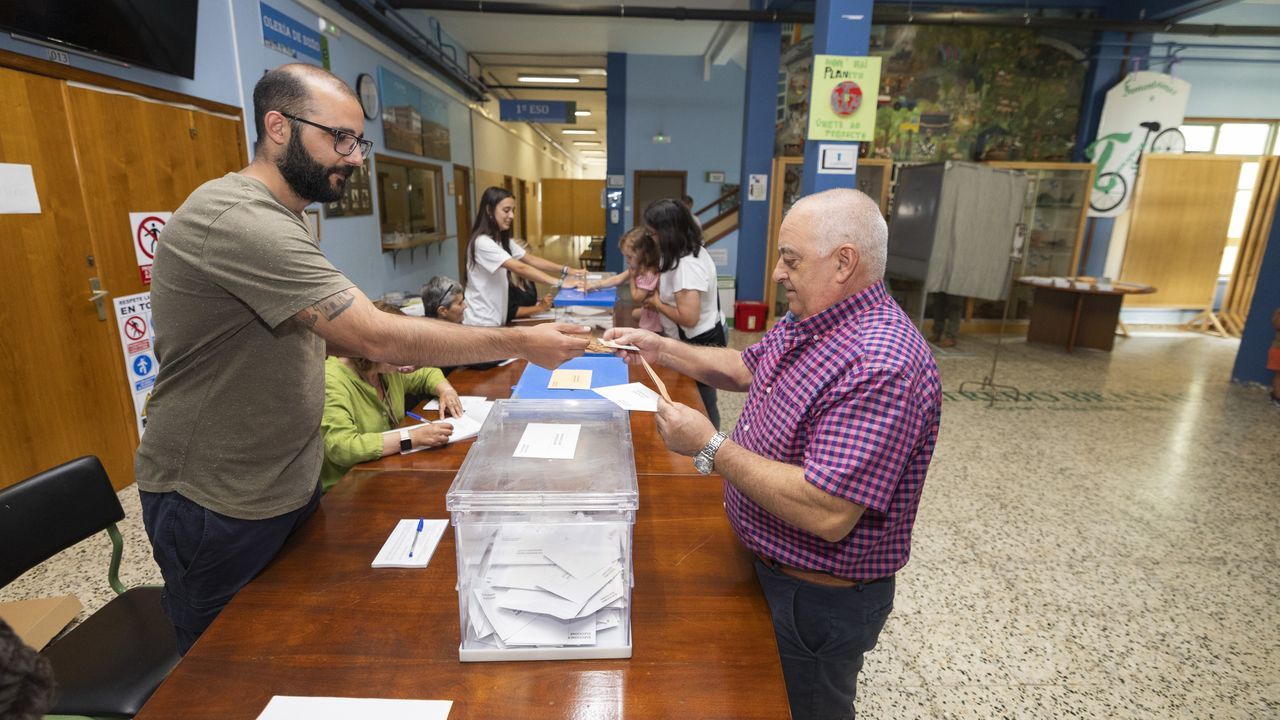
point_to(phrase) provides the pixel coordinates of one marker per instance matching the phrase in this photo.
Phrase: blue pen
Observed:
(414, 544)
(416, 416)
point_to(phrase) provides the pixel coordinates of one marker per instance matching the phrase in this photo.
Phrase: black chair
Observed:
(108, 665)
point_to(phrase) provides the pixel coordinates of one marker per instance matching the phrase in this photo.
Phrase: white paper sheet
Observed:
(18, 190)
(608, 618)
(468, 402)
(538, 601)
(549, 631)
(552, 441)
(465, 427)
(610, 596)
(286, 707)
(505, 622)
(580, 590)
(395, 551)
(632, 396)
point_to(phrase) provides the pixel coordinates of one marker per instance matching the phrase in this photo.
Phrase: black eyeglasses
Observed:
(344, 143)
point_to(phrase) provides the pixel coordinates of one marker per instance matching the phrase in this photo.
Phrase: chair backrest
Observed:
(48, 513)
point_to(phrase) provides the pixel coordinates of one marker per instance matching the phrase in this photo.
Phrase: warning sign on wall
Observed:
(137, 340)
(146, 227)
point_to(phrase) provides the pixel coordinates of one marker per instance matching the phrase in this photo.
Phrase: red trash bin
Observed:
(748, 316)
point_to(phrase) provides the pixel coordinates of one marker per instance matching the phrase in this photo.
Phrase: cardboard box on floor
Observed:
(39, 620)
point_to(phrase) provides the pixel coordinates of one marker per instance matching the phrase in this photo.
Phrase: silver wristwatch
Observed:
(705, 460)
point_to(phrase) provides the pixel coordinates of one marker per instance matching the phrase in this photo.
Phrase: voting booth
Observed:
(543, 510)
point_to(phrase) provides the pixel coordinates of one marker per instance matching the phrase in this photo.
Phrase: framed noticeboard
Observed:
(358, 199)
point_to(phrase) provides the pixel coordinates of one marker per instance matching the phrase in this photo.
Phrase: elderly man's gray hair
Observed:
(842, 215)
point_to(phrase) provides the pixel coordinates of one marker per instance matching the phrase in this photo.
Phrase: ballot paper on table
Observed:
(632, 396)
(468, 402)
(287, 707)
(395, 551)
(465, 426)
(570, 379)
(552, 441)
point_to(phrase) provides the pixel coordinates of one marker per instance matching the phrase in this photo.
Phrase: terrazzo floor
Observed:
(1104, 547)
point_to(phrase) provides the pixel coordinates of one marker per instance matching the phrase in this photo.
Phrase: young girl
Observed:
(641, 254)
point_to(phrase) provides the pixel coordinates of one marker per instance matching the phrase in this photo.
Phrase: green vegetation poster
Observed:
(842, 103)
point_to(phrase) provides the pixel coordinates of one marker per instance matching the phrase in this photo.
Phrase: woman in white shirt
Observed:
(688, 298)
(492, 254)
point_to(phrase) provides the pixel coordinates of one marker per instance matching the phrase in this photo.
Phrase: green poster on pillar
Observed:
(842, 99)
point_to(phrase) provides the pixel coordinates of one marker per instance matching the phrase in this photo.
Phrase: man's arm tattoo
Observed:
(333, 306)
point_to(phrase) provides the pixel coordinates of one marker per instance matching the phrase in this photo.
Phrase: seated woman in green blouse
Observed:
(364, 403)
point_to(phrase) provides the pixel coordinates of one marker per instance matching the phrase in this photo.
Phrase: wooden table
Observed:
(1082, 315)
(320, 621)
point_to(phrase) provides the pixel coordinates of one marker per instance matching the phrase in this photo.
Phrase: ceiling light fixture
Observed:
(586, 142)
(582, 113)
(578, 132)
(564, 79)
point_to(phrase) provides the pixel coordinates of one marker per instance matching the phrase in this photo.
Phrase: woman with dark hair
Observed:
(523, 300)
(688, 298)
(491, 254)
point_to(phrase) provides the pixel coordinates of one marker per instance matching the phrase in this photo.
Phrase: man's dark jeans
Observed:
(822, 634)
(206, 557)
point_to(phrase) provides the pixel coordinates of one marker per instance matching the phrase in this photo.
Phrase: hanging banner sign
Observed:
(1141, 114)
(286, 35)
(551, 111)
(145, 230)
(842, 98)
(137, 340)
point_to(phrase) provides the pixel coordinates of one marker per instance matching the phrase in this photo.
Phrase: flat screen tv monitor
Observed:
(157, 34)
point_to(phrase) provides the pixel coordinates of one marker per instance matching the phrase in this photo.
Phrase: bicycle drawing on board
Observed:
(1109, 187)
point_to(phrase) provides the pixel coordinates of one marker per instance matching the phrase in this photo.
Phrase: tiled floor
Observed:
(1105, 547)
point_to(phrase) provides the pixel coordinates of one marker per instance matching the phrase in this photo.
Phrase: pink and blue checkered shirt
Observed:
(852, 395)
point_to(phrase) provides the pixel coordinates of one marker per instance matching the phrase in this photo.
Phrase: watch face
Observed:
(367, 89)
(702, 464)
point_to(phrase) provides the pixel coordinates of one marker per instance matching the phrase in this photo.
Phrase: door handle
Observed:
(98, 297)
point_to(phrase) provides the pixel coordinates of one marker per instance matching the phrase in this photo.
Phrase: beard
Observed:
(308, 178)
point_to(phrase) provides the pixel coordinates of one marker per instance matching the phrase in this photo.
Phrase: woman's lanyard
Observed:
(392, 421)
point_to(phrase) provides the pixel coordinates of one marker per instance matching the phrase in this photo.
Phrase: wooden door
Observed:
(63, 392)
(1178, 228)
(184, 148)
(654, 184)
(462, 200)
(522, 210)
(96, 156)
(588, 207)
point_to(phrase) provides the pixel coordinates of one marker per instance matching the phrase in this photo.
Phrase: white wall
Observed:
(1231, 89)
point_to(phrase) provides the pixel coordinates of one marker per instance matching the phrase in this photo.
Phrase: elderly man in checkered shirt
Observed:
(823, 473)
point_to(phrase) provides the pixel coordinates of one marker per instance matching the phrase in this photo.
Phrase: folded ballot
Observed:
(549, 585)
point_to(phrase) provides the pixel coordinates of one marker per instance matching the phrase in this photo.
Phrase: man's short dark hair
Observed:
(281, 90)
(287, 89)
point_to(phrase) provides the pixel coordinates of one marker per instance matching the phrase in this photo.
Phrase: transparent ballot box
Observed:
(543, 509)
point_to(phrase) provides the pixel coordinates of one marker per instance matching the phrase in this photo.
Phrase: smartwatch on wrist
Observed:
(406, 443)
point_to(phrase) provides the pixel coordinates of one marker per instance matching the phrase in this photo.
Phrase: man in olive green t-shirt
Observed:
(245, 307)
